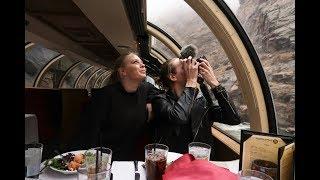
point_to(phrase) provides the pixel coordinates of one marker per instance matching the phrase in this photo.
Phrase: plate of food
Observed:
(68, 163)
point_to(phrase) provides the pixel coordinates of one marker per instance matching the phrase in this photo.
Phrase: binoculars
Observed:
(200, 78)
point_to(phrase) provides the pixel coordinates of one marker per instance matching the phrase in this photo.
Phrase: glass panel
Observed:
(84, 78)
(180, 21)
(270, 26)
(159, 46)
(94, 78)
(101, 78)
(35, 59)
(233, 5)
(71, 78)
(51, 78)
(105, 81)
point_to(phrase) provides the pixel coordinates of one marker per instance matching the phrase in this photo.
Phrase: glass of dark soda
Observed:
(156, 160)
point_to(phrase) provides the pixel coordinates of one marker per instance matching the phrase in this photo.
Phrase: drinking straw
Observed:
(100, 165)
(100, 139)
(97, 154)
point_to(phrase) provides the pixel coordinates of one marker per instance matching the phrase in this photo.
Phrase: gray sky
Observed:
(159, 7)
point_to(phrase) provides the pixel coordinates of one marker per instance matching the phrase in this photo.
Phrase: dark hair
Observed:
(166, 69)
(114, 77)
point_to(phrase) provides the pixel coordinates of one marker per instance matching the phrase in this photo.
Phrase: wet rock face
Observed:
(270, 25)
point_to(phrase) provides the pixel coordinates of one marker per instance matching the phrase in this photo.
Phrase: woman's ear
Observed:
(172, 77)
(122, 72)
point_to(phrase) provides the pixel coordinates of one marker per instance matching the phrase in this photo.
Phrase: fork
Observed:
(136, 174)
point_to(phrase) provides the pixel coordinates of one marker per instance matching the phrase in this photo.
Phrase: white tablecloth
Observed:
(124, 170)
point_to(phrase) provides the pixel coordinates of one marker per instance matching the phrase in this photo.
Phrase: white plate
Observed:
(67, 171)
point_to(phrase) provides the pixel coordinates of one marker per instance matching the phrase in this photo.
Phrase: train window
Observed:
(181, 22)
(270, 26)
(160, 47)
(101, 78)
(36, 57)
(94, 77)
(106, 79)
(71, 78)
(52, 76)
(85, 77)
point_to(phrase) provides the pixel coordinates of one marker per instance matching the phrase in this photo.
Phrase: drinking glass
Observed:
(33, 155)
(200, 150)
(249, 174)
(83, 174)
(97, 157)
(155, 160)
(266, 167)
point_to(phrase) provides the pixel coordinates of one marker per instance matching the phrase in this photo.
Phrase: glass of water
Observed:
(84, 174)
(200, 150)
(33, 155)
(102, 155)
(249, 174)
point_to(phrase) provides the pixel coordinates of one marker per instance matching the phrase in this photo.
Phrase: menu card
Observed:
(269, 147)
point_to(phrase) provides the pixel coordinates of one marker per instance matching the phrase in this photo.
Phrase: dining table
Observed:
(125, 170)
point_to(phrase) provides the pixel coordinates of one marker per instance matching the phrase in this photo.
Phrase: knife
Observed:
(136, 174)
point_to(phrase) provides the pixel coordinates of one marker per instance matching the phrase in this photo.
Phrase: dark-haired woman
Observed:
(182, 115)
(119, 112)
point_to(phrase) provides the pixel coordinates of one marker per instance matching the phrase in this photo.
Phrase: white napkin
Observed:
(124, 170)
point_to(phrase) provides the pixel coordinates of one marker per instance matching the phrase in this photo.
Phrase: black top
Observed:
(121, 119)
(181, 120)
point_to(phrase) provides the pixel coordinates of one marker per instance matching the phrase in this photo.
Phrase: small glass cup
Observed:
(33, 156)
(83, 174)
(248, 174)
(155, 160)
(200, 150)
(100, 155)
(266, 167)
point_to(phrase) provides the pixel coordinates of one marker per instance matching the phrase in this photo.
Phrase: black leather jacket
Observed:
(179, 121)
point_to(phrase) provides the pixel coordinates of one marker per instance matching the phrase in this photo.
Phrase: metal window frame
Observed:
(45, 68)
(87, 83)
(79, 77)
(68, 72)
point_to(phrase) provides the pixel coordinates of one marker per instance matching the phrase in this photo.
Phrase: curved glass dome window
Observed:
(99, 81)
(52, 76)
(180, 21)
(84, 78)
(106, 80)
(36, 57)
(270, 26)
(160, 47)
(70, 80)
(94, 77)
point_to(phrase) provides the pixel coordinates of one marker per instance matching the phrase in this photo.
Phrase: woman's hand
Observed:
(190, 67)
(207, 73)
